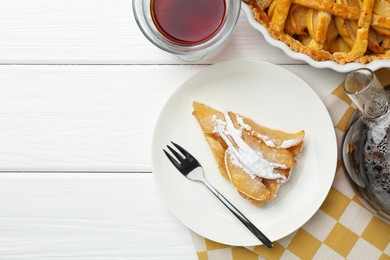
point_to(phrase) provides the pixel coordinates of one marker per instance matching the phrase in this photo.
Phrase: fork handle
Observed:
(240, 216)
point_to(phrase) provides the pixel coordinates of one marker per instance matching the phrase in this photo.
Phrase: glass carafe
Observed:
(366, 147)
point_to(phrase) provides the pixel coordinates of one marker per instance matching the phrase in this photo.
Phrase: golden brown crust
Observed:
(280, 16)
(340, 30)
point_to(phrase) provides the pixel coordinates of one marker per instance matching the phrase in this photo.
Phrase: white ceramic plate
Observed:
(271, 96)
(303, 57)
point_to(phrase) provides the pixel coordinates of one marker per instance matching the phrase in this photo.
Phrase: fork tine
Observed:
(176, 154)
(173, 161)
(183, 151)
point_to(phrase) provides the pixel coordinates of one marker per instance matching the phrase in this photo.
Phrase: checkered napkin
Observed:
(342, 228)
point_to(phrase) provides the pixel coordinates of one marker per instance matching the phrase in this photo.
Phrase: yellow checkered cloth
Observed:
(342, 228)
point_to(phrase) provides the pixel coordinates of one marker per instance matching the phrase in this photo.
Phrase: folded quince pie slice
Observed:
(254, 158)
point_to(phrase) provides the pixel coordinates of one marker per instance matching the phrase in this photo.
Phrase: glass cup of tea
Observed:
(190, 30)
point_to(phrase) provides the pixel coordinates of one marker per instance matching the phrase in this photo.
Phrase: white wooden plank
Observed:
(93, 118)
(99, 32)
(84, 118)
(88, 216)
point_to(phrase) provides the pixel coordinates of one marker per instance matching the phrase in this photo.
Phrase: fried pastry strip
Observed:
(318, 22)
(361, 42)
(279, 16)
(339, 10)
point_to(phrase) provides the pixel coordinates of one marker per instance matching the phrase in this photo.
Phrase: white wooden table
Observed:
(80, 90)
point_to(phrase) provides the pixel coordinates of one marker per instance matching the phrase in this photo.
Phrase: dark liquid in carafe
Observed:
(376, 164)
(188, 22)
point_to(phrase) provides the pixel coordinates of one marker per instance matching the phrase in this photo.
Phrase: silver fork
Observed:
(191, 168)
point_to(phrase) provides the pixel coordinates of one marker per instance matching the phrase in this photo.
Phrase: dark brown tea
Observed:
(188, 22)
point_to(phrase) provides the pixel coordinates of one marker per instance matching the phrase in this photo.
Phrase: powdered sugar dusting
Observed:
(266, 140)
(242, 155)
(291, 142)
(240, 120)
